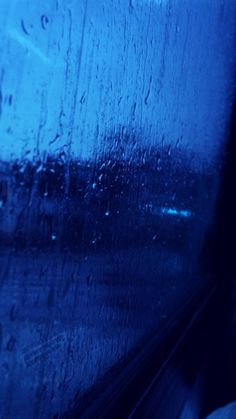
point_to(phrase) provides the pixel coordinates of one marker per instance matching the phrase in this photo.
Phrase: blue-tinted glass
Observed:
(113, 120)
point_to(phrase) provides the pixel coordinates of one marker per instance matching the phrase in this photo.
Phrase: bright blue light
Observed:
(176, 212)
(26, 43)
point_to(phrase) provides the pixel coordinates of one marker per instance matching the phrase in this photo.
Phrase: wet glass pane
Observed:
(113, 120)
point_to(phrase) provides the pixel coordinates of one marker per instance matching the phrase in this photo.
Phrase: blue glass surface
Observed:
(113, 120)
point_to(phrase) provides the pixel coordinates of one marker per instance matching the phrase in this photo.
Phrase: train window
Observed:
(113, 119)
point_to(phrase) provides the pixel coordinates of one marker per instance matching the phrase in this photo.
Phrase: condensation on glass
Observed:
(113, 119)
